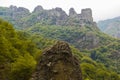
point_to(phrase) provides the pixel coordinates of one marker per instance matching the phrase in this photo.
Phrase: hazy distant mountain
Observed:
(110, 26)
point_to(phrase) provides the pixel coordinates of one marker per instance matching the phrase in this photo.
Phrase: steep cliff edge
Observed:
(58, 63)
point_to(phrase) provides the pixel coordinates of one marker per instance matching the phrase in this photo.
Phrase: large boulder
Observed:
(58, 63)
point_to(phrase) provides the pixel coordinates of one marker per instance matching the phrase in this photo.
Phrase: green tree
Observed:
(23, 67)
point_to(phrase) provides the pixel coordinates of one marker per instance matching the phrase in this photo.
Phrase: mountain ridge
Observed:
(20, 16)
(110, 26)
(93, 44)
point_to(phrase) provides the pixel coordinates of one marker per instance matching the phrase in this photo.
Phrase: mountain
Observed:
(110, 26)
(21, 18)
(83, 29)
(14, 14)
(20, 52)
(96, 50)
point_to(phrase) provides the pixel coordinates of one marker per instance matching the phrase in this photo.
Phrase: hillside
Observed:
(110, 26)
(40, 29)
(19, 53)
(16, 53)
(78, 29)
(88, 40)
(86, 37)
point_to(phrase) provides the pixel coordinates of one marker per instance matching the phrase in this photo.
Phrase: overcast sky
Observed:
(102, 9)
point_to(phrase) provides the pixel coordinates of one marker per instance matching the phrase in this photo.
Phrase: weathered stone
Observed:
(72, 12)
(61, 66)
(13, 8)
(86, 14)
(85, 18)
(55, 16)
(18, 13)
(38, 9)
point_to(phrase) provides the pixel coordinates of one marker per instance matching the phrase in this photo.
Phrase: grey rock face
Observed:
(59, 13)
(85, 18)
(58, 63)
(86, 14)
(55, 16)
(18, 13)
(38, 9)
(72, 12)
(13, 8)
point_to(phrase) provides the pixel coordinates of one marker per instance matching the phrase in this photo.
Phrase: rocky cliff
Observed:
(17, 13)
(58, 63)
(57, 16)
(85, 18)
(23, 18)
(38, 9)
(13, 13)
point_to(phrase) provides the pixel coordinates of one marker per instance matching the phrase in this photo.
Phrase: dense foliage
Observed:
(109, 55)
(89, 40)
(86, 37)
(20, 51)
(16, 54)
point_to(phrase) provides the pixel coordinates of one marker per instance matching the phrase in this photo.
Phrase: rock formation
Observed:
(58, 16)
(16, 13)
(72, 12)
(55, 16)
(86, 14)
(85, 18)
(58, 63)
(38, 9)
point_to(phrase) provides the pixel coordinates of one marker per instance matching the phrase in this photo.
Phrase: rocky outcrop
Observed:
(55, 16)
(86, 14)
(72, 12)
(85, 18)
(13, 8)
(38, 9)
(58, 63)
(18, 13)
(58, 15)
